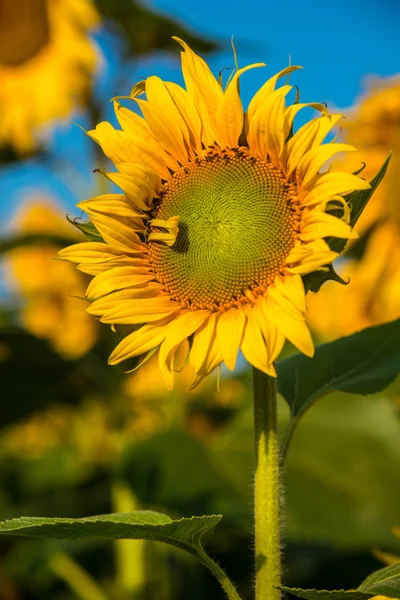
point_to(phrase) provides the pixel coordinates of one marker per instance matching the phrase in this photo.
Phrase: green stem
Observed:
(266, 493)
(219, 574)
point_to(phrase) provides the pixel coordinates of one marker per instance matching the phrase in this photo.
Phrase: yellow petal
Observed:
(202, 342)
(309, 135)
(212, 360)
(131, 122)
(274, 339)
(88, 252)
(119, 234)
(294, 329)
(230, 330)
(230, 114)
(183, 327)
(314, 160)
(266, 90)
(265, 135)
(165, 129)
(204, 90)
(121, 261)
(189, 113)
(144, 339)
(118, 278)
(318, 225)
(139, 194)
(330, 184)
(292, 287)
(133, 312)
(122, 147)
(253, 344)
(115, 204)
(125, 297)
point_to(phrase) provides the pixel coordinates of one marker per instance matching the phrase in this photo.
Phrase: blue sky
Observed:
(339, 44)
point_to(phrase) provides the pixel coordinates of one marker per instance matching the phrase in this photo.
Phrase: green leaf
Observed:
(358, 201)
(87, 228)
(385, 582)
(362, 363)
(325, 594)
(186, 534)
(313, 281)
(142, 524)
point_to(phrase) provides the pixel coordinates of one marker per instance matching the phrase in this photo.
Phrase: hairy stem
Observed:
(266, 493)
(219, 574)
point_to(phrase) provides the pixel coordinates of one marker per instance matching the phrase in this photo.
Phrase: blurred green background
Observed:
(80, 438)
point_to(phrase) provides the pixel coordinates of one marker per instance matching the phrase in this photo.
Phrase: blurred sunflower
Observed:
(46, 60)
(373, 295)
(50, 288)
(222, 213)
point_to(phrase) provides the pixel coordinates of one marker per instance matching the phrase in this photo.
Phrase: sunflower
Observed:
(221, 214)
(46, 59)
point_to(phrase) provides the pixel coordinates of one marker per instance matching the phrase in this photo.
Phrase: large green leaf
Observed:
(362, 363)
(142, 524)
(186, 534)
(385, 582)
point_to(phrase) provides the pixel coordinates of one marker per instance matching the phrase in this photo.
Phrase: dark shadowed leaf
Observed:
(34, 239)
(385, 582)
(326, 594)
(145, 31)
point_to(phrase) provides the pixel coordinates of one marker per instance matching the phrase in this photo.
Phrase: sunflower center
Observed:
(238, 223)
(24, 30)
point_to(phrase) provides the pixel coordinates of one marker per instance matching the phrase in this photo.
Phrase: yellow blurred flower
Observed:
(46, 61)
(66, 427)
(373, 294)
(50, 288)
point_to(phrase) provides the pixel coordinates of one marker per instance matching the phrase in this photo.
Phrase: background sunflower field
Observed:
(78, 437)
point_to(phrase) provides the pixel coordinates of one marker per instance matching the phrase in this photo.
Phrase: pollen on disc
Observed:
(237, 226)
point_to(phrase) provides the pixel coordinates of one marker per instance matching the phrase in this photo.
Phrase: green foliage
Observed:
(357, 201)
(184, 533)
(33, 239)
(385, 582)
(362, 363)
(145, 31)
(88, 229)
(325, 594)
(33, 375)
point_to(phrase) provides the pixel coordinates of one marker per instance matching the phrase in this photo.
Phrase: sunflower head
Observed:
(221, 214)
(46, 62)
